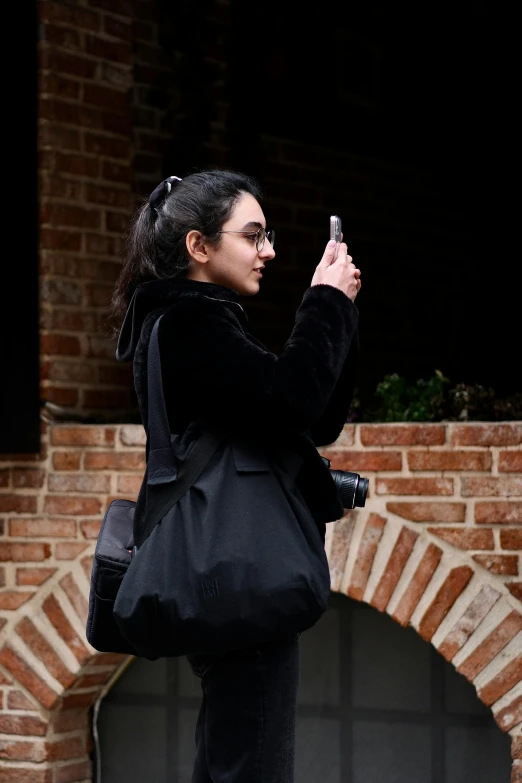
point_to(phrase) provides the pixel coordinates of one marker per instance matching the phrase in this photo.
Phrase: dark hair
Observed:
(155, 243)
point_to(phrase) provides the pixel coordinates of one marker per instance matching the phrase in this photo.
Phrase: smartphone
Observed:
(335, 228)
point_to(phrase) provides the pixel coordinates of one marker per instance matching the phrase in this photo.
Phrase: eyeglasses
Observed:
(259, 236)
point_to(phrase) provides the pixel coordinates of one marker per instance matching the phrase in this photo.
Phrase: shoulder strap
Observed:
(165, 488)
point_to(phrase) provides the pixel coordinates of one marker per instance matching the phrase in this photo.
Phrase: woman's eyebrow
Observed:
(252, 224)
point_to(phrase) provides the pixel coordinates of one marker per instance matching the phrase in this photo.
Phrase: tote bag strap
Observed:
(165, 490)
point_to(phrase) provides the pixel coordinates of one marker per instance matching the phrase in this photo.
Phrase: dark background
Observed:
(431, 89)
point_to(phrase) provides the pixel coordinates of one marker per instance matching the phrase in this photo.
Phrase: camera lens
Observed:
(352, 488)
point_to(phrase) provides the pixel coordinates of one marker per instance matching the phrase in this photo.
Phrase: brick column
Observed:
(85, 196)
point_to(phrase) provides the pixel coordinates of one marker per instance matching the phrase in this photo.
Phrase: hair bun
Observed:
(159, 194)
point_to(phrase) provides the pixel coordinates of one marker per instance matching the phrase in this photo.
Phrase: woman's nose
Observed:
(267, 251)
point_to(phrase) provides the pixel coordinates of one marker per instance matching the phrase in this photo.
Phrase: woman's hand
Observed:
(340, 272)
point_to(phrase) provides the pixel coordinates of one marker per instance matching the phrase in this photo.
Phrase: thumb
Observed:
(329, 253)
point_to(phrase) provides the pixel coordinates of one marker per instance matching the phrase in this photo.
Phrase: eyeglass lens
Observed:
(262, 235)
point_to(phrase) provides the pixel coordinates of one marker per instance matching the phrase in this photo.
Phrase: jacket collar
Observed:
(158, 294)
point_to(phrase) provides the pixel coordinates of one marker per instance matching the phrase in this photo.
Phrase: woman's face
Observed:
(235, 262)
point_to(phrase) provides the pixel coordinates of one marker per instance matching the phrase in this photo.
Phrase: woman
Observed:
(196, 247)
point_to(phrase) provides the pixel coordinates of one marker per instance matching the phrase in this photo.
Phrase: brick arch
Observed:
(462, 609)
(52, 677)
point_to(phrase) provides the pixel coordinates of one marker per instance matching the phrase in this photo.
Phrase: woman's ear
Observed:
(196, 247)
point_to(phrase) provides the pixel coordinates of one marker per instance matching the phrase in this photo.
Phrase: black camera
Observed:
(352, 487)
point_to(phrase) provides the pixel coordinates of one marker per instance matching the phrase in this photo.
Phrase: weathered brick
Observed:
(17, 700)
(74, 320)
(60, 344)
(498, 513)
(87, 562)
(365, 555)
(73, 64)
(57, 136)
(494, 486)
(71, 370)
(69, 550)
(511, 539)
(505, 631)
(510, 462)
(33, 576)
(83, 482)
(76, 16)
(485, 599)
(466, 538)
(402, 434)
(58, 239)
(414, 486)
(75, 596)
(84, 166)
(28, 477)
(103, 96)
(44, 651)
(5, 477)
(129, 485)
(417, 584)
(106, 145)
(342, 534)
(486, 434)
(394, 568)
(515, 588)
(90, 680)
(24, 552)
(75, 700)
(69, 748)
(510, 675)
(70, 720)
(82, 435)
(447, 594)
(510, 715)
(90, 528)
(62, 625)
(42, 528)
(364, 461)
(504, 565)
(71, 773)
(23, 774)
(133, 435)
(22, 724)
(428, 512)
(13, 599)
(26, 677)
(67, 460)
(18, 750)
(60, 395)
(516, 747)
(64, 504)
(114, 460)
(449, 460)
(19, 504)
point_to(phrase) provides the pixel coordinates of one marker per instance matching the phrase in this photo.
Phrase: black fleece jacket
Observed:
(215, 370)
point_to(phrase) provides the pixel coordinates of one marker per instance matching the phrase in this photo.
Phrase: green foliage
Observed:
(435, 399)
(401, 401)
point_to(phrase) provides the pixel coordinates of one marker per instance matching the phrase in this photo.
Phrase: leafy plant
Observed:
(403, 401)
(435, 399)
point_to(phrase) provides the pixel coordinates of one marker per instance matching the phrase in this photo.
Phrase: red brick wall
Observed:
(437, 547)
(85, 188)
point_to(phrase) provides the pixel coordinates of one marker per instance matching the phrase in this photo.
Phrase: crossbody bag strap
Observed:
(168, 484)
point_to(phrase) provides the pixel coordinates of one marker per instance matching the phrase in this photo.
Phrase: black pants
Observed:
(245, 731)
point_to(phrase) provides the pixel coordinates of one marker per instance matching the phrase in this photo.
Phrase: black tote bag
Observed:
(233, 561)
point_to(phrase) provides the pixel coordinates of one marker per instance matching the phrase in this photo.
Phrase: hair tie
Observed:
(159, 194)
